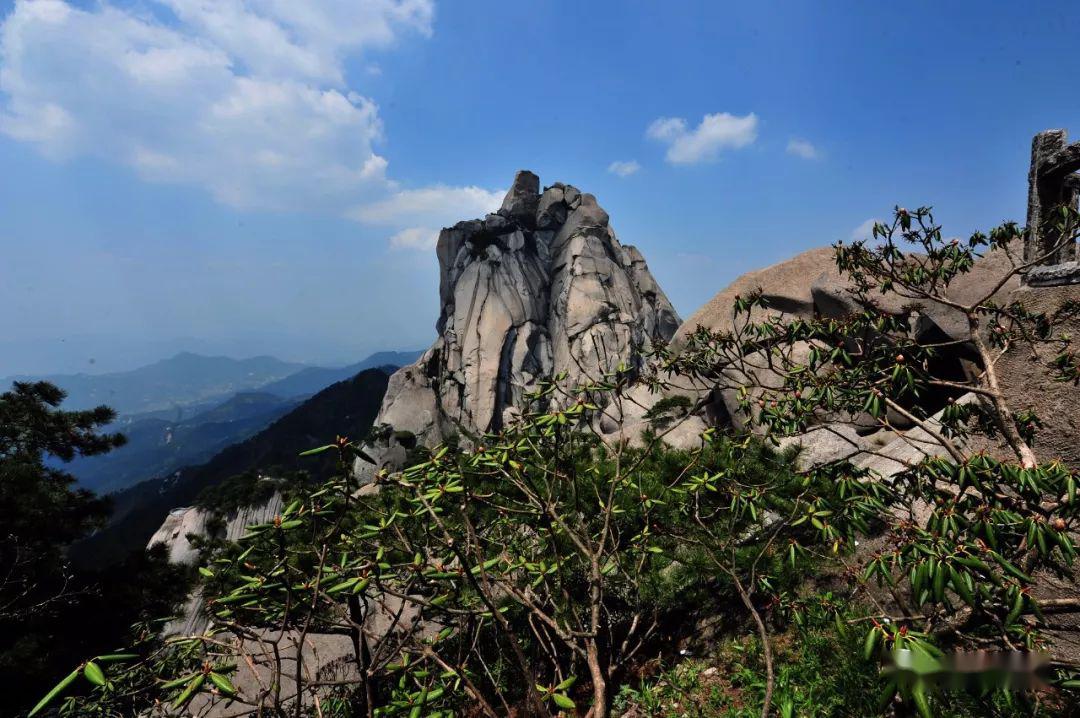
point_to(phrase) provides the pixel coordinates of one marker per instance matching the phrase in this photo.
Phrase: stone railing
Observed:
(1052, 183)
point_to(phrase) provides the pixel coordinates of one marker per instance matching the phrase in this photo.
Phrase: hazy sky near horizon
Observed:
(250, 177)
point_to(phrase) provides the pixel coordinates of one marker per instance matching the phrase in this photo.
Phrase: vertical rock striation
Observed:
(538, 288)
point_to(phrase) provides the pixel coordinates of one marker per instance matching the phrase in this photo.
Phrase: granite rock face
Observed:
(810, 285)
(180, 524)
(541, 287)
(177, 532)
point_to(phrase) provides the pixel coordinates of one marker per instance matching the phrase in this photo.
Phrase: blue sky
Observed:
(264, 176)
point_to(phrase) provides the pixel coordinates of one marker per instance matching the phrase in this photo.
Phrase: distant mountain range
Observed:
(179, 381)
(157, 447)
(191, 383)
(181, 411)
(313, 379)
(347, 408)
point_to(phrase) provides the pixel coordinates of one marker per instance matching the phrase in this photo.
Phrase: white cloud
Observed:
(303, 40)
(244, 98)
(438, 205)
(623, 168)
(864, 230)
(421, 239)
(716, 132)
(802, 148)
(667, 129)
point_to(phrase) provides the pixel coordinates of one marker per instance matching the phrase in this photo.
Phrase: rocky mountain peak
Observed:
(523, 197)
(540, 287)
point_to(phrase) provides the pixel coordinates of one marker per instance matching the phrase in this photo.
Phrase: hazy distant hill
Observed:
(179, 381)
(161, 441)
(157, 447)
(178, 388)
(347, 408)
(312, 379)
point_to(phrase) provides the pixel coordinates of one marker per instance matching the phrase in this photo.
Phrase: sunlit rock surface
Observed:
(539, 288)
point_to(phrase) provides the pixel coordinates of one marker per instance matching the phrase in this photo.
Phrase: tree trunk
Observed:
(1001, 407)
(766, 649)
(599, 682)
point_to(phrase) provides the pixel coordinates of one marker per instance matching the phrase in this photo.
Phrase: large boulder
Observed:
(541, 287)
(825, 445)
(810, 284)
(833, 296)
(786, 287)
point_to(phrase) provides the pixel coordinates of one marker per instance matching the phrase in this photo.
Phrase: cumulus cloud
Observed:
(720, 131)
(802, 148)
(301, 40)
(623, 168)
(420, 239)
(864, 230)
(244, 98)
(436, 205)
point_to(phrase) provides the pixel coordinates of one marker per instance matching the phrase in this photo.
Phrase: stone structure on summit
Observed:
(1053, 183)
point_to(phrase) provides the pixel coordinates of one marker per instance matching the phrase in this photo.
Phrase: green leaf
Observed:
(176, 683)
(206, 572)
(319, 450)
(563, 701)
(886, 695)
(348, 583)
(1017, 607)
(223, 684)
(919, 694)
(94, 674)
(871, 642)
(57, 690)
(960, 586)
(1009, 568)
(189, 692)
(566, 684)
(114, 657)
